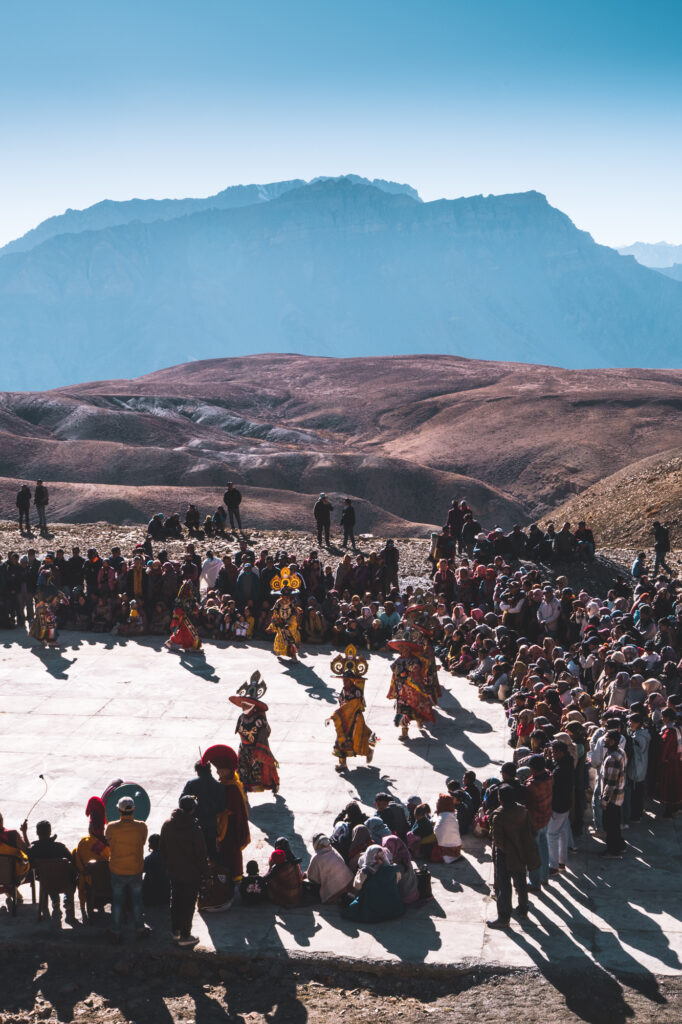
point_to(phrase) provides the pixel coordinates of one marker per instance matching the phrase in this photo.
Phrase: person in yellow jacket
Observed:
(126, 838)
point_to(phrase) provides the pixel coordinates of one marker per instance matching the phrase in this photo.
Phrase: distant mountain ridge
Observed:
(332, 268)
(110, 213)
(658, 255)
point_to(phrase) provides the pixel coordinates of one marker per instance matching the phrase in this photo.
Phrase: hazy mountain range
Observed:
(660, 255)
(336, 267)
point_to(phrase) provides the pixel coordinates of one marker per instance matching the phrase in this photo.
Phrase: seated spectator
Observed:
(376, 884)
(253, 887)
(284, 881)
(400, 856)
(329, 870)
(46, 847)
(392, 814)
(447, 831)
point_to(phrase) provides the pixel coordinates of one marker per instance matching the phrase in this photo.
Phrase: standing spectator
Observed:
(210, 568)
(670, 786)
(514, 853)
(538, 800)
(233, 499)
(155, 884)
(41, 499)
(390, 557)
(549, 611)
(183, 849)
(559, 828)
(612, 793)
(126, 838)
(74, 570)
(322, 510)
(585, 541)
(348, 523)
(661, 546)
(638, 765)
(23, 505)
(210, 802)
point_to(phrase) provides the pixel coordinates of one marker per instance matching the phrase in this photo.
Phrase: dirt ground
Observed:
(107, 986)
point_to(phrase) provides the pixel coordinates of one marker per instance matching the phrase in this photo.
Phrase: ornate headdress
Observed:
(286, 582)
(249, 694)
(350, 663)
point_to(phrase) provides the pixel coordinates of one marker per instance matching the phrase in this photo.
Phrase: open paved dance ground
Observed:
(102, 708)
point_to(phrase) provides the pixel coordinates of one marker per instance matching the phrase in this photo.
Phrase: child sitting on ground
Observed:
(252, 887)
(421, 838)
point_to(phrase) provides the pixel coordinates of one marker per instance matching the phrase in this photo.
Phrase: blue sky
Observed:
(580, 101)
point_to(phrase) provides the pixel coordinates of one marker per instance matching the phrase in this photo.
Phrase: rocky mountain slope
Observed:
(402, 435)
(331, 268)
(622, 506)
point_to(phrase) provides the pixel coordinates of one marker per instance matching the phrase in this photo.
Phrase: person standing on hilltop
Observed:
(661, 547)
(348, 523)
(40, 500)
(23, 505)
(232, 499)
(322, 510)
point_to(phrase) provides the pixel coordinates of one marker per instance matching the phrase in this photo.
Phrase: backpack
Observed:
(424, 883)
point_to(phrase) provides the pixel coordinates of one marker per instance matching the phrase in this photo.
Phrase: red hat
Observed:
(259, 705)
(221, 756)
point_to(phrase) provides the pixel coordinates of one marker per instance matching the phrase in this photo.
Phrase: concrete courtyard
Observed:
(103, 708)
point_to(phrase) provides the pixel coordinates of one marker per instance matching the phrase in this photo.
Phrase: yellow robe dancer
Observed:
(353, 735)
(284, 622)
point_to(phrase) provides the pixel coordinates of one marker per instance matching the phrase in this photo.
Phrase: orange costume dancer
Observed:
(93, 846)
(233, 831)
(284, 621)
(353, 735)
(183, 631)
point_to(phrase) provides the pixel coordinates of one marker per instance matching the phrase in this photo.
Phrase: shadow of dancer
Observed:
(314, 684)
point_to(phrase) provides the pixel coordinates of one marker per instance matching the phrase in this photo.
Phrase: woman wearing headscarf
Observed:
(329, 870)
(400, 856)
(284, 880)
(378, 829)
(376, 885)
(617, 692)
(360, 841)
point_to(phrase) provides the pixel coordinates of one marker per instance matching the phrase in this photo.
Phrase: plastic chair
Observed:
(55, 876)
(98, 888)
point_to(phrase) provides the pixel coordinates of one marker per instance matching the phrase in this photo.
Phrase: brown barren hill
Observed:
(622, 507)
(404, 434)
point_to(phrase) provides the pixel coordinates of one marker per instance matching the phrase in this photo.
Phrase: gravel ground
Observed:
(596, 577)
(103, 986)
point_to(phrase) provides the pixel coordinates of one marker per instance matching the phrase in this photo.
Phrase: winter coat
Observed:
(183, 848)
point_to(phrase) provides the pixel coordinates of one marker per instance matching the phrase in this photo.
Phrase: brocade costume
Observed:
(353, 735)
(183, 630)
(257, 766)
(284, 621)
